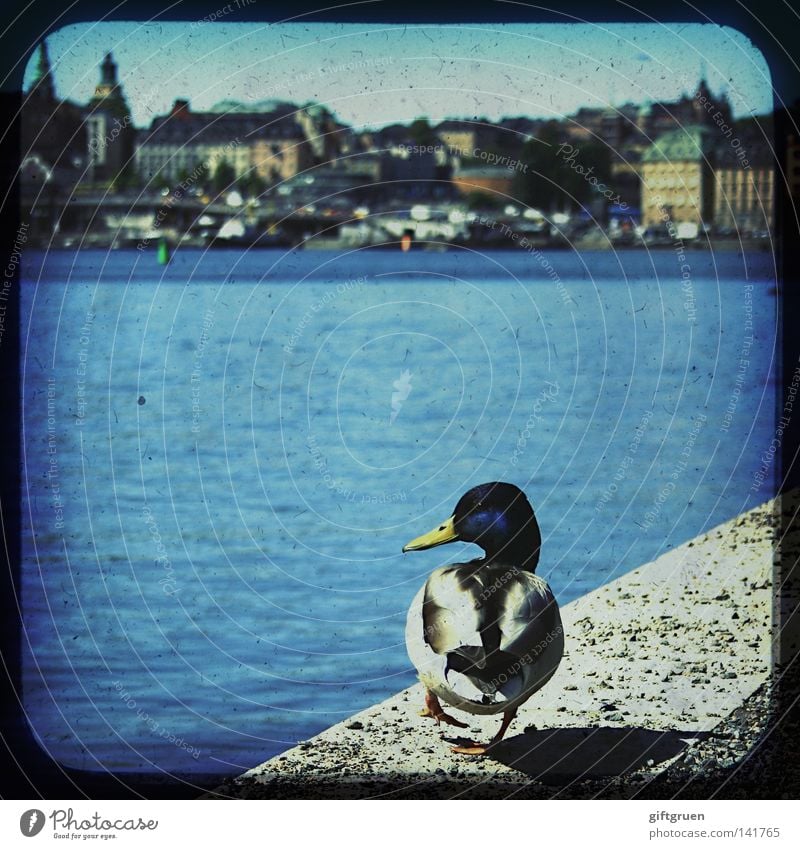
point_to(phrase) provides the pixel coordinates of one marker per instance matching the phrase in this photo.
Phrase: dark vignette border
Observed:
(26, 772)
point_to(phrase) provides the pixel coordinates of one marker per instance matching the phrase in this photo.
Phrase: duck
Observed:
(485, 635)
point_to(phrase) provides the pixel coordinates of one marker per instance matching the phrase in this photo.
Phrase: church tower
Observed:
(109, 128)
(706, 104)
(108, 95)
(42, 83)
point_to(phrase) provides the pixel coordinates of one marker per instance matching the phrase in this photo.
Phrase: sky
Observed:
(375, 74)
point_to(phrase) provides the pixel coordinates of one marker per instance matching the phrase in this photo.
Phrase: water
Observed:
(217, 495)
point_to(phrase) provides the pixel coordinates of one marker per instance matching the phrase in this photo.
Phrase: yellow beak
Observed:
(446, 532)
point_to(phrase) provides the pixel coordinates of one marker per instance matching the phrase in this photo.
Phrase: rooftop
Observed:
(183, 126)
(690, 143)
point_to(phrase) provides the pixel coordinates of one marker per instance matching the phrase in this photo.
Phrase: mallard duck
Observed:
(485, 635)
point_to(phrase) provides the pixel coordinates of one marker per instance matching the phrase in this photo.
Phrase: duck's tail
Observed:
(497, 675)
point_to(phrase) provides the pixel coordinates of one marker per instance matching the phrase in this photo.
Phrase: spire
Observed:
(108, 72)
(108, 90)
(108, 94)
(42, 75)
(702, 85)
(612, 97)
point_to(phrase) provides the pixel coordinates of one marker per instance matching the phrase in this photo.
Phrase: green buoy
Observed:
(163, 252)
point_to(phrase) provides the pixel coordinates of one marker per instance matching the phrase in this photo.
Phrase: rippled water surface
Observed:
(223, 459)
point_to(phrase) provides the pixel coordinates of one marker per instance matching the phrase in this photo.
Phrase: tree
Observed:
(484, 200)
(224, 176)
(561, 174)
(160, 181)
(422, 133)
(251, 185)
(126, 178)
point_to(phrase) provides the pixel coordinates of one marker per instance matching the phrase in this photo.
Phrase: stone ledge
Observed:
(654, 661)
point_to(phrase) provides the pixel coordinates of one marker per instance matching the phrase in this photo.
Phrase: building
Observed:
(52, 153)
(630, 130)
(585, 124)
(744, 192)
(186, 144)
(520, 129)
(625, 176)
(52, 130)
(109, 129)
(677, 178)
(464, 138)
(386, 138)
(614, 126)
(415, 166)
(327, 137)
(461, 136)
(368, 165)
(701, 108)
(327, 188)
(638, 125)
(489, 180)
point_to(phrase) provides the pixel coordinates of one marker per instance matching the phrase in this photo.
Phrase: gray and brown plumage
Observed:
(485, 635)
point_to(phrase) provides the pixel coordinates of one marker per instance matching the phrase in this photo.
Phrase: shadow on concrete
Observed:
(563, 755)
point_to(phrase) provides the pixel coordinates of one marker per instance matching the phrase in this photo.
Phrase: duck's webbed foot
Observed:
(470, 748)
(434, 710)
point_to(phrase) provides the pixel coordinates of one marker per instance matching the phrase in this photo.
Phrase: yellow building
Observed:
(278, 158)
(677, 178)
(459, 136)
(463, 138)
(744, 198)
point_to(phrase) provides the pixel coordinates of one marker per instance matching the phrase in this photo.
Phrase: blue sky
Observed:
(406, 71)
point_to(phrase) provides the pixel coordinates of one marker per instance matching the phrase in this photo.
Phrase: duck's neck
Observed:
(522, 550)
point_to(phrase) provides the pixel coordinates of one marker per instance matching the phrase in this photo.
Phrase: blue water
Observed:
(218, 573)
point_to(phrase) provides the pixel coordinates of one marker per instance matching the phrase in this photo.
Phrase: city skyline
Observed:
(375, 75)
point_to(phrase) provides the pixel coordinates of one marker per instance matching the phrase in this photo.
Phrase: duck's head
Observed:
(496, 516)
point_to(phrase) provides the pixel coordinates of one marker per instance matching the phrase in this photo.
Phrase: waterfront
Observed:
(242, 442)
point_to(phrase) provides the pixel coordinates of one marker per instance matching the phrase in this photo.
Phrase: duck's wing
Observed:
(450, 618)
(527, 616)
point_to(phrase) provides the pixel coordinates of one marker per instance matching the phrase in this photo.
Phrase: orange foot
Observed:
(434, 710)
(470, 748)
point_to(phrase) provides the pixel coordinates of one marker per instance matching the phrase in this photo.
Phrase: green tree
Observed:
(538, 185)
(597, 156)
(126, 178)
(158, 181)
(251, 185)
(421, 132)
(561, 174)
(224, 176)
(477, 200)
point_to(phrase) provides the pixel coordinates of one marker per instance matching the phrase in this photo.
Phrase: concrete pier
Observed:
(654, 662)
